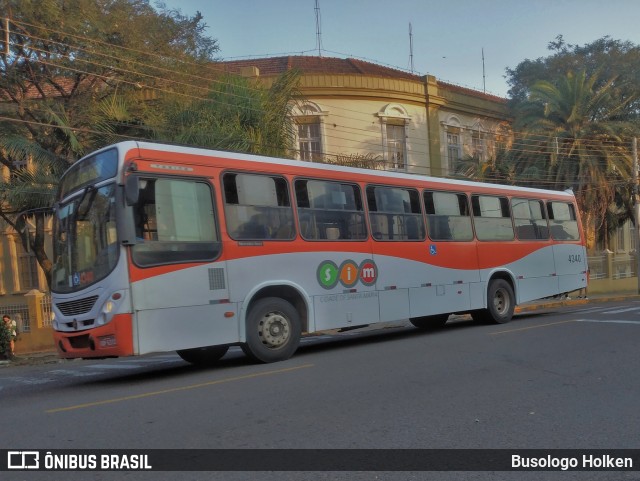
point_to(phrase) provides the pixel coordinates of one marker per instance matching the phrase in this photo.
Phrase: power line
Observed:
(377, 144)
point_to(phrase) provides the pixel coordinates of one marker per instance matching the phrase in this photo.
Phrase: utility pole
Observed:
(636, 208)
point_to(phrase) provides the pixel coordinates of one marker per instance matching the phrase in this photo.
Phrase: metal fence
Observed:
(612, 265)
(20, 314)
(597, 267)
(47, 313)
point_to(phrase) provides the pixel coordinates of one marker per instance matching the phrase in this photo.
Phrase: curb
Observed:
(555, 303)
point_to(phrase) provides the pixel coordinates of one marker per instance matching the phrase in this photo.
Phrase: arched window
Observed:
(309, 123)
(394, 120)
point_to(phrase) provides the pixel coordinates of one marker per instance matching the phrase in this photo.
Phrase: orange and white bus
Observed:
(167, 248)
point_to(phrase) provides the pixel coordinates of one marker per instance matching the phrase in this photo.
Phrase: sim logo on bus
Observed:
(348, 273)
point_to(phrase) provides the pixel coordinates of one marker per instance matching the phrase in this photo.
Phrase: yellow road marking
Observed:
(532, 327)
(177, 389)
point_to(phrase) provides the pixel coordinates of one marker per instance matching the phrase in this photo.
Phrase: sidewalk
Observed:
(32, 359)
(51, 357)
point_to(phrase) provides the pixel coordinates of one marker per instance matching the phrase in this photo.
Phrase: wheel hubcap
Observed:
(501, 301)
(274, 330)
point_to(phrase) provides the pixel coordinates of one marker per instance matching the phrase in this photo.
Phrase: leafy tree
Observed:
(78, 75)
(606, 57)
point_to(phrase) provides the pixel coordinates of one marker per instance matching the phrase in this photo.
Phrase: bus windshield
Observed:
(85, 243)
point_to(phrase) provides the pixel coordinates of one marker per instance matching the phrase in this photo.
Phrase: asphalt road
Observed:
(554, 379)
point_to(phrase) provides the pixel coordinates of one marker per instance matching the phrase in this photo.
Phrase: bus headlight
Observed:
(109, 308)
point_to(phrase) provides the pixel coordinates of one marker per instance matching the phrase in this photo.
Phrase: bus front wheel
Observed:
(203, 356)
(500, 303)
(273, 330)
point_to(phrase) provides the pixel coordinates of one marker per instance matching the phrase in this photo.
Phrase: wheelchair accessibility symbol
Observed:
(432, 250)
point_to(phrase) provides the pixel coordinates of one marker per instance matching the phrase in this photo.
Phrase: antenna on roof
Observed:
(318, 29)
(484, 85)
(411, 47)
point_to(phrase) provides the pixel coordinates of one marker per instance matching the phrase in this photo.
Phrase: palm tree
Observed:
(238, 115)
(574, 137)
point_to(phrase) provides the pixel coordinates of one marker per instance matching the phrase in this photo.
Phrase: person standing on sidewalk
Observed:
(7, 336)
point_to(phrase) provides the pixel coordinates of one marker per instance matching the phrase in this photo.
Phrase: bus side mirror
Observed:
(132, 190)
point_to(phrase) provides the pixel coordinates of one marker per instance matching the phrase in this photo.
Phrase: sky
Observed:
(449, 37)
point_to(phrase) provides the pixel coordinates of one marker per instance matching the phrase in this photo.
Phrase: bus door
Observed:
(448, 260)
(340, 272)
(179, 293)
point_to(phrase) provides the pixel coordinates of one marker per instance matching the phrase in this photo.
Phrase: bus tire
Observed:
(500, 303)
(273, 330)
(203, 356)
(430, 322)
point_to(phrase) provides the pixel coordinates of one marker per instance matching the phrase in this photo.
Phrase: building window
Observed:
(395, 148)
(394, 119)
(310, 141)
(477, 146)
(310, 131)
(454, 150)
(27, 268)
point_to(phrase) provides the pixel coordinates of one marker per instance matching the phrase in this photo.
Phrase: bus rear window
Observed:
(257, 207)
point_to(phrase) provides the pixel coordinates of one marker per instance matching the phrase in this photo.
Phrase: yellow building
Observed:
(413, 123)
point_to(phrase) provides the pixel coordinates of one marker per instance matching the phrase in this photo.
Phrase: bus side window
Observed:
(448, 216)
(492, 218)
(529, 219)
(257, 207)
(175, 221)
(562, 221)
(330, 210)
(395, 214)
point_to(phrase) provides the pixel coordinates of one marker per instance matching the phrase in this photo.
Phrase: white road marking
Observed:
(618, 311)
(611, 321)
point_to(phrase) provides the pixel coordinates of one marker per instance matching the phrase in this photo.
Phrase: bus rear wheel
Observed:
(203, 356)
(430, 322)
(501, 302)
(273, 330)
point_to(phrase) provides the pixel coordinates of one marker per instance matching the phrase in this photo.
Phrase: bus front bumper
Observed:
(114, 339)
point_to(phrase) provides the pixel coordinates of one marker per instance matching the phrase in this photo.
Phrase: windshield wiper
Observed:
(89, 189)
